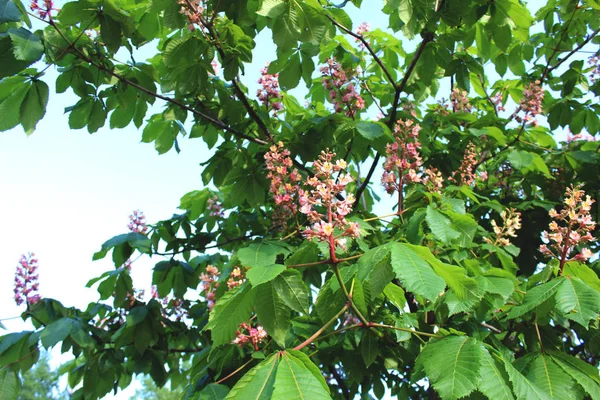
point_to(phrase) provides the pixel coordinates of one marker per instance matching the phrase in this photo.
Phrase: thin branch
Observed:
(218, 123)
(575, 50)
(235, 372)
(368, 47)
(340, 382)
(323, 328)
(398, 328)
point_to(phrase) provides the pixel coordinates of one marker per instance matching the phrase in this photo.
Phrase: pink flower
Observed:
(342, 91)
(269, 93)
(284, 184)
(460, 101)
(531, 103)
(216, 209)
(467, 167)
(572, 226)
(137, 222)
(44, 10)
(254, 336)
(26, 280)
(403, 161)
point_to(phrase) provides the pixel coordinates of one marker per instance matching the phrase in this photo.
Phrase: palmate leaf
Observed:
(494, 380)
(10, 385)
(229, 312)
(585, 374)
(452, 365)
(293, 290)
(415, 272)
(295, 381)
(440, 225)
(258, 383)
(284, 375)
(260, 275)
(543, 373)
(261, 254)
(273, 314)
(578, 301)
(375, 270)
(535, 297)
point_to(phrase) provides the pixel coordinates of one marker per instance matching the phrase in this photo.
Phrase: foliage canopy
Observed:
(283, 282)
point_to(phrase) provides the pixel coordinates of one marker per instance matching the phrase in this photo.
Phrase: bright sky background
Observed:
(64, 192)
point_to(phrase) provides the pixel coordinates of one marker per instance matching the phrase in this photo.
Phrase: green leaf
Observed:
(455, 277)
(395, 294)
(440, 225)
(56, 332)
(289, 77)
(375, 270)
(520, 159)
(213, 391)
(233, 308)
(295, 381)
(585, 374)
(259, 275)
(33, 107)
(369, 348)
(372, 130)
(110, 32)
(578, 301)
(416, 273)
(273, 314)
(502, 286)
(80, 114)
(27, 46)
(539, 370)
(272, 8)
(303, 358)
(452, 365)
(293, 290)
(261, 254)
(10, 385)
(583, 272)
(258, 383)
(535, 297)
(9, 12)
(494, 380)
(523, 387)
(12, 92)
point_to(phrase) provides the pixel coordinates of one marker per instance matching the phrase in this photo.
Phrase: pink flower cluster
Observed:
(361, 30)
(323, 209)
(460, 101)
(403, 160)
(342, 91)
(531, 103)
(497, 101)
(215, 208)
(255, 336)
(172, 308)
(210, 285)
(137, 222)
(580, 136)
(26, 280)
(236, 278)
(42, 10)
(575, 228)
(284, 183)
(594, 62)
(511, 223)
(269, 93)
(433, 180)
(193, 10)
(215, 66)
(467, 167)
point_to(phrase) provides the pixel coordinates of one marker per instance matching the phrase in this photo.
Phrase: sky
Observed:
(64, 192)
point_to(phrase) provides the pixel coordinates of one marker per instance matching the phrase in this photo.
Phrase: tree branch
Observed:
(218, 123)
(575, 50)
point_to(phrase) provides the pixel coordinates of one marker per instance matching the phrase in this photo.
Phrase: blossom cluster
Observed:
(572, 226)
(433, 180)
(236, 278)
(43, 10)
(209, 284)
(361, 30)
(511, 223)
(320, 204)
(215, 66)
(580, 136)
(255, 336)
(284, 183)
(467, 166)
(403, 160)
(26, 280)
(531, 103)
(460, 101)
(594, 62)
(497, 101)
(174, 306)
(269, 93)
(137, 222)
(342, 91)
(215, 208)
(193, 10)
